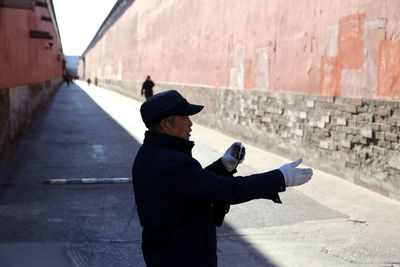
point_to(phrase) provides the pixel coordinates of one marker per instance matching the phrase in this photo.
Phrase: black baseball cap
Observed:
(165, 104)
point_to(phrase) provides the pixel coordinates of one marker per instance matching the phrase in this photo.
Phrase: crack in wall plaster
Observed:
(332, 40)
(237, 75)
(261, 69)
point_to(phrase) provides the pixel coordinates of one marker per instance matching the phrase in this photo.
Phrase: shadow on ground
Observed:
(79, 225)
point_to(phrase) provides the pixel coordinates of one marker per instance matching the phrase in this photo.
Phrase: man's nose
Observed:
(190, 122)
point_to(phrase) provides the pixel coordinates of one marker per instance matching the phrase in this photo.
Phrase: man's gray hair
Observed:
(156, 127)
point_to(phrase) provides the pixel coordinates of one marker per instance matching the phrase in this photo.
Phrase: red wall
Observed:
(335, 48)
(25, 60)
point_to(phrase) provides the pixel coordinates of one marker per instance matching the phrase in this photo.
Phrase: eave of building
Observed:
(53, 17)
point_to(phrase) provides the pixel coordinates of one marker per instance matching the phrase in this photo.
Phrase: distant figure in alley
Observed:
(179, 202)
(147, 88)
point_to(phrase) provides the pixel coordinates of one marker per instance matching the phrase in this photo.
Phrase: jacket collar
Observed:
(168, 141)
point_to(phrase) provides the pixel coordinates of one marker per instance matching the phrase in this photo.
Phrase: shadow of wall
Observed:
(98, 222)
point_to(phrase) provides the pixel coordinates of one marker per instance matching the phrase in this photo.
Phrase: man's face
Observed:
(181, 129)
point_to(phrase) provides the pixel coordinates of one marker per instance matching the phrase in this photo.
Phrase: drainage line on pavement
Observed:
(89, 181)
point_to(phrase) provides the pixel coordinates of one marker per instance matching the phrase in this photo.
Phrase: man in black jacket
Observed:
(147, 88)
(178, 202)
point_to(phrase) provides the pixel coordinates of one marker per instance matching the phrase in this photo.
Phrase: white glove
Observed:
(295, 176)
(233, 156)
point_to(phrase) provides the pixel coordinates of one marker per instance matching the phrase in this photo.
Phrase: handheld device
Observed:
(238, 152)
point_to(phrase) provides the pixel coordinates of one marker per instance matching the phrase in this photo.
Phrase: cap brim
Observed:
(190, 109)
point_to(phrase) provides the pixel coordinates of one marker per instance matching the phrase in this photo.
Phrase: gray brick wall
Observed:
(355, 139)
(18, 108)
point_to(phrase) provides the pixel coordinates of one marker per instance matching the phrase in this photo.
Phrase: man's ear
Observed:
(165, 125)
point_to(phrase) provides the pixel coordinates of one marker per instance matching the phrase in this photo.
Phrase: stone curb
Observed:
(89, 181)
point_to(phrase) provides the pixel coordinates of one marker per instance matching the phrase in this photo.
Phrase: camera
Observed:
(238, 152)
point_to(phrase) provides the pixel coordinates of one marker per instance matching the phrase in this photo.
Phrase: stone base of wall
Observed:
(357, 139)
(19, 106)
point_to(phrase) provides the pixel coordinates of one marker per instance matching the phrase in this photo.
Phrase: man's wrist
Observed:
(223, 169)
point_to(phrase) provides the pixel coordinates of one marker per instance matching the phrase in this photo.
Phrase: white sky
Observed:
(78, 21)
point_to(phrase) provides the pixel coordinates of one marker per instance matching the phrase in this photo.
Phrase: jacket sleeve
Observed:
(192, 181)
(219, 210)
(218, 168)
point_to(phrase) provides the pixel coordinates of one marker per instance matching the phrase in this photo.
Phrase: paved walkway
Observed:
(366, 233)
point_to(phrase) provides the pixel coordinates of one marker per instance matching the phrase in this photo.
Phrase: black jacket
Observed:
(147, 87)
(179, 202)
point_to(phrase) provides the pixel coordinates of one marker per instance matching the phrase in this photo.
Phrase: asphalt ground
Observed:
(88, 132)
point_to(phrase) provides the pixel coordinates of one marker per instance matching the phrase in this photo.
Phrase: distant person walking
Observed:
(67, 79)
(147, 87)
(96, 80)
(88, 81)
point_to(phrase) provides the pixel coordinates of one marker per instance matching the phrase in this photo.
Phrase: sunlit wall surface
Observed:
(333, 48)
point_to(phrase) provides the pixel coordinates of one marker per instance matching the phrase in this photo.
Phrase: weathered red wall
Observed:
(29, 73)
(336, 48)
(25, 60)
